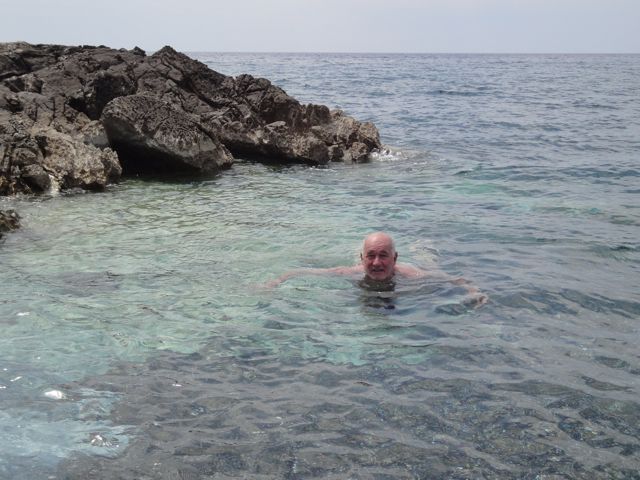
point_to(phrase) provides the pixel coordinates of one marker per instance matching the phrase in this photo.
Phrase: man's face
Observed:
(378, 258)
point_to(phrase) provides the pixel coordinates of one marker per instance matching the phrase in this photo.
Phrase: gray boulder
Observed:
(151, 135)
(37, 158)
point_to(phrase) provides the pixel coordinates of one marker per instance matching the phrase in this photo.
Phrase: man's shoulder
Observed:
(346, 270)
(409, 270)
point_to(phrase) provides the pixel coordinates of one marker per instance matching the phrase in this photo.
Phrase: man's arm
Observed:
(475, 298)
(314, 271)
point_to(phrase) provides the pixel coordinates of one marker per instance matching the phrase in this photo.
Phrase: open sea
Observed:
(138, 343)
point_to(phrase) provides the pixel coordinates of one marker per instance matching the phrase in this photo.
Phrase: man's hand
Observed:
(475, 300)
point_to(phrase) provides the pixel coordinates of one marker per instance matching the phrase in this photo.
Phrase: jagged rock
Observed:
(9, 220)
(152, 136)
(71, 163)
(163, 111)
(19, 58)
(37, 158)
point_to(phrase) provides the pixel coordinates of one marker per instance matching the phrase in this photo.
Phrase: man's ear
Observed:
(395, 257)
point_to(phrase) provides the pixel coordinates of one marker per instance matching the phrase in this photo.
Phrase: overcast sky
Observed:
(432, 26)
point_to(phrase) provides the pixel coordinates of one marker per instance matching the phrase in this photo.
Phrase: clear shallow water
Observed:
(142, 304)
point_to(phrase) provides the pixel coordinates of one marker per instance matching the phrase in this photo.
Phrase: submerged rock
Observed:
(9, 220)
(77, 116)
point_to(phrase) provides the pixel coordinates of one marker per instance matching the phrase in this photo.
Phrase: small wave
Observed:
(512, 125)
(461, 93)
(601, 304)
(594, 105)
(615, 252)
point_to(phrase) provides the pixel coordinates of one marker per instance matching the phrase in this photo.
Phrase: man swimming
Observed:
(378, 263)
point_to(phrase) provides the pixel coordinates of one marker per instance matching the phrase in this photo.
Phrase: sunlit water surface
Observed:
(138, 342)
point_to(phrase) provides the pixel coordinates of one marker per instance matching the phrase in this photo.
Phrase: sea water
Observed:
(138, 340)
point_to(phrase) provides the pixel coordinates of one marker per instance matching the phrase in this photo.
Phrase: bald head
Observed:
(378, 256)
(379, 238)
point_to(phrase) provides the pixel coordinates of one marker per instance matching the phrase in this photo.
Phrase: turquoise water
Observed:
(144, 307)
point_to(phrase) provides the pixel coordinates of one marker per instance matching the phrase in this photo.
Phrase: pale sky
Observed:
(429, 26)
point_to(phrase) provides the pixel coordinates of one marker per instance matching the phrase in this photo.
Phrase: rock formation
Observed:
(79, 116)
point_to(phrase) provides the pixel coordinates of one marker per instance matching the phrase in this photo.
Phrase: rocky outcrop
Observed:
(9, 220)
(77, 116)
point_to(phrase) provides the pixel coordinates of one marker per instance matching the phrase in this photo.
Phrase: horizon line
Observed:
(337, 52)
(293, 52)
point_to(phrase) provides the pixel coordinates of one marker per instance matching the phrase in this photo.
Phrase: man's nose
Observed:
(376, 260)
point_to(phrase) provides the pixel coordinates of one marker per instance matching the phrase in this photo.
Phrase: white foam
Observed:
(55, 395)
(388, 154)
(54, 188)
